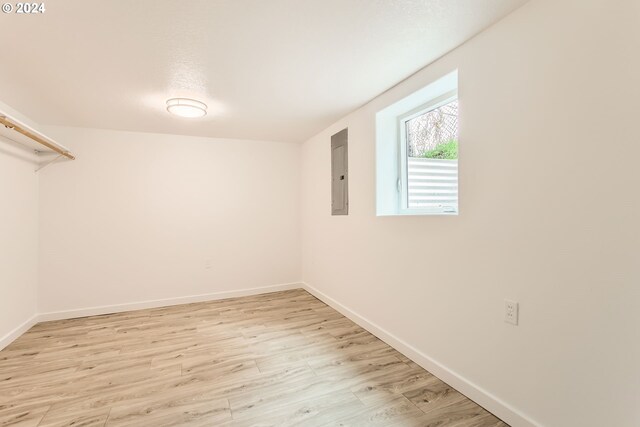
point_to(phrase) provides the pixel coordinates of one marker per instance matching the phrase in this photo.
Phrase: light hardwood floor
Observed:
(277, 359)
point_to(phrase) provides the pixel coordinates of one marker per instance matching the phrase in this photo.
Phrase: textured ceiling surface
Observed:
(274, 70)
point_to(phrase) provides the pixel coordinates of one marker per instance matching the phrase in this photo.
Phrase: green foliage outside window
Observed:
(447, 150)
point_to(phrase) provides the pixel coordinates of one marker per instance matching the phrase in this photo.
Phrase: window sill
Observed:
(419, 212)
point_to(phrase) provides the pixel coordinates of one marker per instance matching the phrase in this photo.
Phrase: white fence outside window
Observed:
(432, 183)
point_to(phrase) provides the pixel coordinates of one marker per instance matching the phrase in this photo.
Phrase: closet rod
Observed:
(37, 138)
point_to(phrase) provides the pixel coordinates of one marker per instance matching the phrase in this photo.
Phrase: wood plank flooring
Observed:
(278, 359)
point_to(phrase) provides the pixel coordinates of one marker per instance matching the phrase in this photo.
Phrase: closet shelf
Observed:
(35, 136)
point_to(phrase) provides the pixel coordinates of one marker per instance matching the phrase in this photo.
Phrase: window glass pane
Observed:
(432, 163)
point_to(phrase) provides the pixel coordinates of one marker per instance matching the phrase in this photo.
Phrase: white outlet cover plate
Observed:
(511, 312)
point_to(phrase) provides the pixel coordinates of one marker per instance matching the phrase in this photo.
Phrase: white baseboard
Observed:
(474, 392)
(119, 308)
(11, 336)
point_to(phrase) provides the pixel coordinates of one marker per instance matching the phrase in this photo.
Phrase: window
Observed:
(417, 152)
(429, 156)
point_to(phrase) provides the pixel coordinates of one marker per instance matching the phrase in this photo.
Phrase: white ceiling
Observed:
(268, 69)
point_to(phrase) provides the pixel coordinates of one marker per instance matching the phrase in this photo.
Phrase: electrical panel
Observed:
(339, 173)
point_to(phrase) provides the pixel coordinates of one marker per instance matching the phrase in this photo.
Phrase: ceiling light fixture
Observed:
(185, 107)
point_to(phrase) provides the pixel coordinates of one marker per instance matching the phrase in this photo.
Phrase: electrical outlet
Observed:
(208, 264)
(511, 312)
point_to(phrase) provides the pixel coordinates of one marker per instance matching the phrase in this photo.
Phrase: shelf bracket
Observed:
(50, 162)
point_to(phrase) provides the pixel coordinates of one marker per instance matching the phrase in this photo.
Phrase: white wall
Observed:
(549, 105)
(18, 240)
(137, 217)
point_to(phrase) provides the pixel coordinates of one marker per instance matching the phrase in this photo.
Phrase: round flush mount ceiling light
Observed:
(185, 107)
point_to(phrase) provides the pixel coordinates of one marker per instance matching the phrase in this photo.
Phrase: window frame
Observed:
(403, 173)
